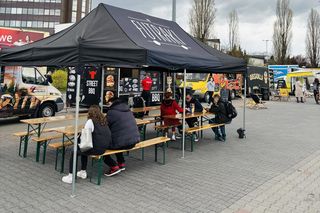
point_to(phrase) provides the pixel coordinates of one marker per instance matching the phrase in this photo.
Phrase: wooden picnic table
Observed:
(145, 109)
(190, 115)
(37, 125)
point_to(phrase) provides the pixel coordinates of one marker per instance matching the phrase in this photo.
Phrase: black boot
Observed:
(302, 100)
(297, 100)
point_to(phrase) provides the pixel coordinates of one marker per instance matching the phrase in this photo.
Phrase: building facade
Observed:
(41, 15)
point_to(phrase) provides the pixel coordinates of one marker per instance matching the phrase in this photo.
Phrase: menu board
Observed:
(71, 86)
(110, 83)
(129, 81)
(90, 86)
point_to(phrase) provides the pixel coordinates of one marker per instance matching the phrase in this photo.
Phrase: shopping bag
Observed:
(86, 140)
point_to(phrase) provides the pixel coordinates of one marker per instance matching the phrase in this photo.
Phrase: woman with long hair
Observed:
(101, 139)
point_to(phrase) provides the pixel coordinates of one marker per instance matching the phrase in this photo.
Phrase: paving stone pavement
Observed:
(276, 167)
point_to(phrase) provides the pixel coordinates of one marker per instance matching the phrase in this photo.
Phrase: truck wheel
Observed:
(233, 95)
(47, 110)
(206, 97)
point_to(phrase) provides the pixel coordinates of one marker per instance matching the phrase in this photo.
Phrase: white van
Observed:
(25, 91)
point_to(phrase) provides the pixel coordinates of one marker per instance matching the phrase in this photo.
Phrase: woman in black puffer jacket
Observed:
(124, 133)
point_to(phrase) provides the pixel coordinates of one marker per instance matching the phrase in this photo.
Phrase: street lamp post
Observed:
(267, 41)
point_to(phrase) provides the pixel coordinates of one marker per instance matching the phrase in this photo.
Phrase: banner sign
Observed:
(17, 37)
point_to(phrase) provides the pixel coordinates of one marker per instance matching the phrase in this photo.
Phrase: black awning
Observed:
(117, 37)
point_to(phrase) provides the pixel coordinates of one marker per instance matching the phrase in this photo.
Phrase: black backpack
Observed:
(231, 110)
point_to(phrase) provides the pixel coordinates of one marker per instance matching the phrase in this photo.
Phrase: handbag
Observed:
(86, 140)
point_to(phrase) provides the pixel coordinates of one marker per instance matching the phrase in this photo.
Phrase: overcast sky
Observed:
(256, 18)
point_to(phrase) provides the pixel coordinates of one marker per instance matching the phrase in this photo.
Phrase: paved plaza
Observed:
(275, 169)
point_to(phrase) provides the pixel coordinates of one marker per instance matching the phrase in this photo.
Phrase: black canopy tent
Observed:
(115, 37)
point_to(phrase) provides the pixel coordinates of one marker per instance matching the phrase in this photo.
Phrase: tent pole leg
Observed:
(184, 112)
(244, 102)
(102, 88)
(75, 143)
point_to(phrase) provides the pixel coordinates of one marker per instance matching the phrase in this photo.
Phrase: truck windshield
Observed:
(196, 77)
(31, 75)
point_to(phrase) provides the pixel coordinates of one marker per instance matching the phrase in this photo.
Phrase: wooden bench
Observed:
(60, 149)
(98, 159)
(190, 132)
(23, 139)
(43, 142)
(25, 136)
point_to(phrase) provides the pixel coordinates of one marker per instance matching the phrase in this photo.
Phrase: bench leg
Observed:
(56, 162)
(142, 154)
(192, 140)
(26, 138)
(38, 151)
(62, 159)
(156, 153)
(44, 154)
(20, 145)
(99, 170)
(164, 153)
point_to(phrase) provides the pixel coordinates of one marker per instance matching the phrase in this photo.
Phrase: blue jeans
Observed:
(218, 131)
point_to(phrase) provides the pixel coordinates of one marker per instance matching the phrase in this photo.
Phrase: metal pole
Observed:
(102, 89)
(244, 101)
(184, 111)
(174, 86)
(75, 144)
(174, 10)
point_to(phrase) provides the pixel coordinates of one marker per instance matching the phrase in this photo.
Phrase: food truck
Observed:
(197, 82)
(25, 91)
(108, 82)
(258, 81)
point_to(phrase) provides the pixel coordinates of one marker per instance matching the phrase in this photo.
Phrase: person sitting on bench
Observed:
(192, 105)
(219, 109)
(170, 107)
(124, 133)
(101, 139)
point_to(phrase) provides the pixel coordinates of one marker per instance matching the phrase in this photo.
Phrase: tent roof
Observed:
(117, 37)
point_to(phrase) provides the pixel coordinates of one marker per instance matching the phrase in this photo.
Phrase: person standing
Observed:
(101, 139)
(299, 92)
(124, 133)
(146, 86)
(210, 88)
(219, 109)
(316, 90)
(224, 93)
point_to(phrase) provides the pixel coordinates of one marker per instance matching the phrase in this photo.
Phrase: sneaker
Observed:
(67, 178)
(196, 139)
(122, 166)
(113, 171)
(82, 174)
(173, 137)
(178, 136)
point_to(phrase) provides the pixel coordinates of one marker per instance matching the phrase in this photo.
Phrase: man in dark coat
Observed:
(219, 109)
(124, 133)
(192, 105)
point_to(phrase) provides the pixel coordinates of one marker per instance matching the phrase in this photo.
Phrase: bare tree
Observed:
(201, 20)
(233, 30)
(313, 38)
(282, 32)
